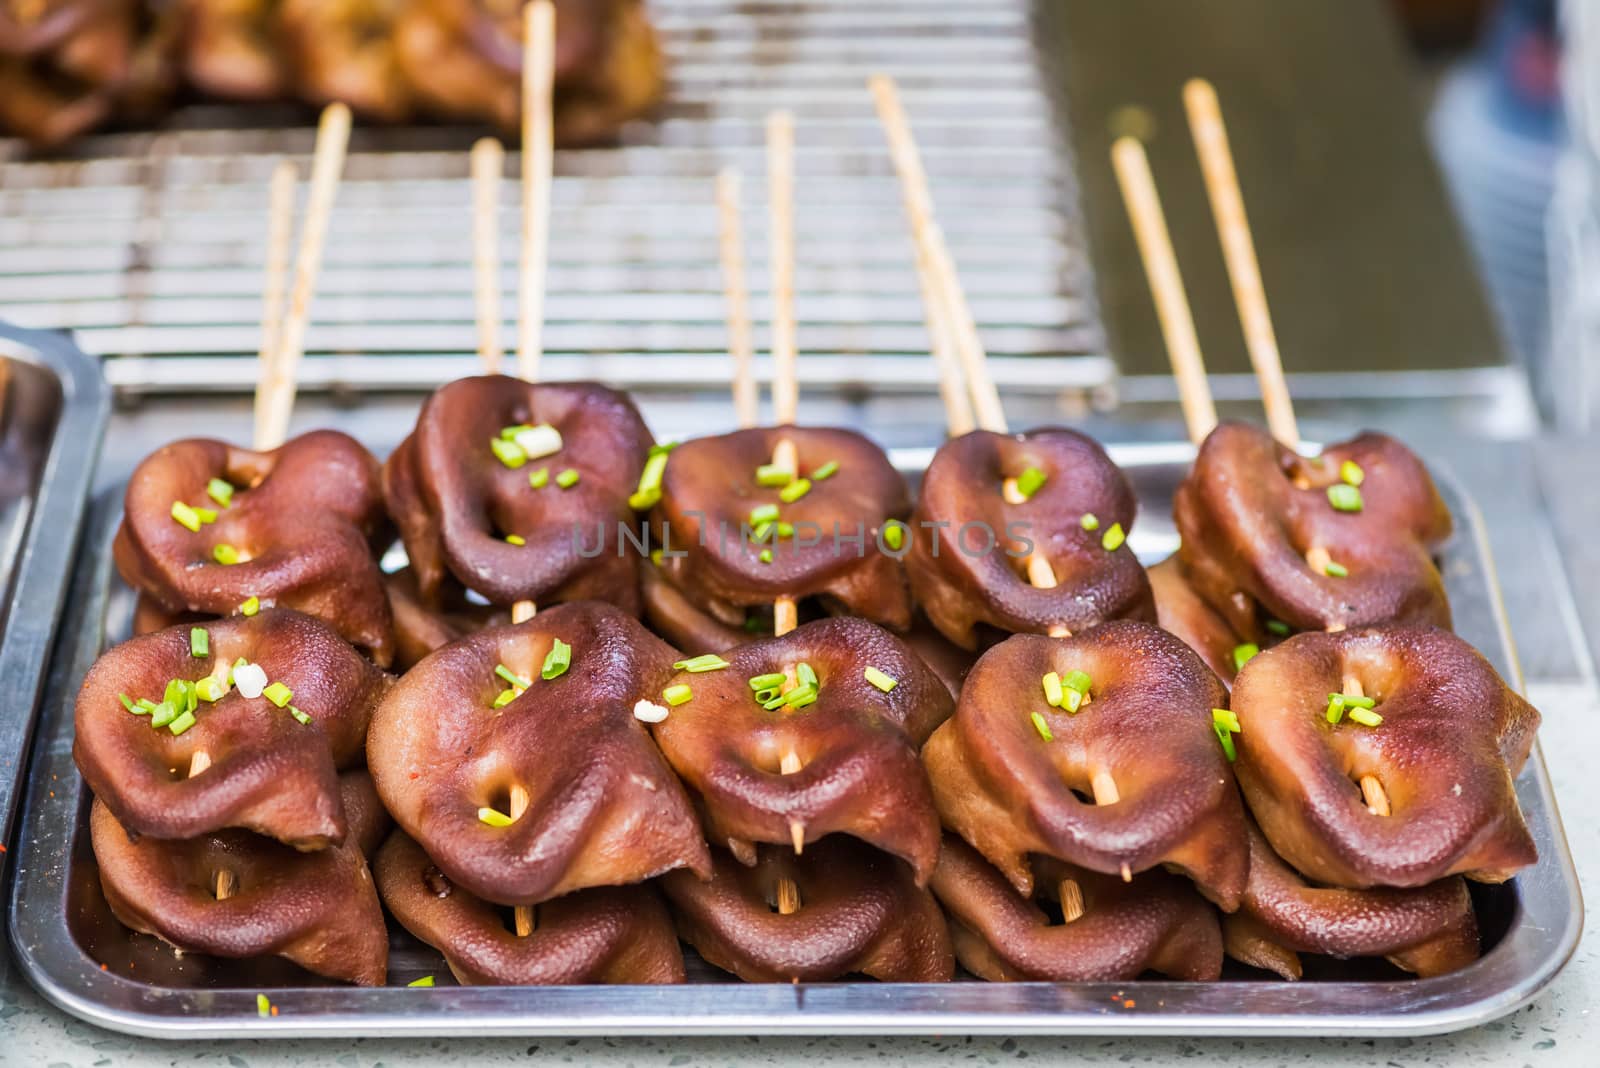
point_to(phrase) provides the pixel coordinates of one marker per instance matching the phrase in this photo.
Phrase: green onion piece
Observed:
(210, 688)
(775, 702)
(1089, 521)
(1336, 570)
(759, 534)
(1351, 701)
(1278, 627)
(251, 606)
(516, 539)
(163, 714)
(1113, 538)
(773, 476)
(677, 695)
(512, 677)
(263, 1006)
(764, 513)
(539, 441)
(509, 433)
(1242, 654)
(556, 661)
(146, 706)
(180, 695)
(539, 479)
(881, 680)
(650, 478)
(1226, 738)
(795, 490)
(568, 478)
(425, 981)
(1351, 473)
(766, 556)
(1071, 700)
(220, 491)
(181, 724)
(656, 556)
(801, 696)
(278, 694)
(225, 554)
(207, 515)
(1223, 717)
(1030, 482)
(186, 516)
(494, 817)
(699, 664)
(1042, 727)
(199, 642)
(785, 529)
(127, 702)
(1335, 707)
(767, 694)
(662, 448)
(1344, 497)
(894, 535)
(826, 471)
(505, 697)
(1365, 716)
(1052, 689)
(805, 675)
(765, 682)
(508, 452)
(299, 716)
(1077, 680)
(642, 501)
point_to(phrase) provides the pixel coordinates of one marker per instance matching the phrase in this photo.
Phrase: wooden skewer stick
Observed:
(1070, 894)
(741, 342)
(1104, 787)
(488, 163)
(788, 765)
(225, 884)
(327, 165)
(522, 915)
(538, 168)
(958, 415)
(1372, 791)
(280, 232)
(1166, 285)
(1239, 252)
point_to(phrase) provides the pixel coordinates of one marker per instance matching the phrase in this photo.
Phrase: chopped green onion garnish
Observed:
(516, 539)
(1078, 681)
(538, 441)
(1335, 707)
(1351, 473)
(225, 554)
(766, 694)
(1071, 700)
(649, 491)
(1113, 538)
(1225, 718)
(801, 696)
(1052, 689)
(759, 534)
(1042, 727)
(785, 529)
(1278, 627)
(508, 452)
(662, 448)
(186, 515)
(696, 665)
(263, 1006)
(207, 515)
(765, 556)
(568, 478)
(163, 714)
(181, 724)
(127, 702)
(509, 433)
(1030, 481)
(804, 674)
(1344, 497)
(773, 476)
(494, 817)
(881, 680)
(539, 479)
(1242, 654)
(505, 697)
(1365, 716)
(512, 677)
(767, 682)
(1089, 521)
(827, 470)
(763, 513)
(199, 642)
(180, 695)
(656, 556)
(220, 491)
(278, 694)
(146, 706)
(795, 490)
(1336, 570)
(1226, 738)
(426, 980)
(556, 661)
(894, 535)
(251, 606)
(299, 716)
(210, 688)
(776, 701)
(1352, 701)
(677, 695)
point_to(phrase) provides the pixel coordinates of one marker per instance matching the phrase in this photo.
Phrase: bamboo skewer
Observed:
(538, 167)
(280, 232)
(523, 915)
(488, 163)
(1070, 895)
(741, 343)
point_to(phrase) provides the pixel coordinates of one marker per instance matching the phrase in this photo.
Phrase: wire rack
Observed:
(149, 246)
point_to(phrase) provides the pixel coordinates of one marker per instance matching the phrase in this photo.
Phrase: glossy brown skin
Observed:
(1429, 930)
(269, 773)
(674, 615)
(612, 934)
(344, 50)
(420, 629)
(857, 745)
(710, 488)
(961, 586)
(1452, 740)
(235, 49)
(1011, 794)
(860, 913)
(304, 516)
(455, 502)
(1182, 612)
(948, 660)
(63, 68)
(1246, 527)
(319, 910)
(1155, 923)
(604, 808)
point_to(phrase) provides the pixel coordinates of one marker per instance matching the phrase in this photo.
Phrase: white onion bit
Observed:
(250, 680)
(649, 711)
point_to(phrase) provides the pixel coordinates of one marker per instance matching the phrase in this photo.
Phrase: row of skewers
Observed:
(841, 746)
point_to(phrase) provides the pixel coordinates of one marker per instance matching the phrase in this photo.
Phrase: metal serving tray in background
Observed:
(53, 405)
(63, 934)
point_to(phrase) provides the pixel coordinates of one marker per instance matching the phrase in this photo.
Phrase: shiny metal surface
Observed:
(66, 943)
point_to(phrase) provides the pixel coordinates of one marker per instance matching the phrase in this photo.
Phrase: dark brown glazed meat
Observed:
(1010, 793)
(268, 772)
(1250, 509)
(1429, 930)
(455, 502)
(710, 489)
(963, 581)
(1157, 923)
(1452, 740)
(319, 910)
(675, 616)
(857, 745)
(302, 520)
(604, 809)
(420, 629)
(1181, 611)
(344, 50)
(63, 65)
(860, 912)
(611, 934)
(234, 49)
(948, 660)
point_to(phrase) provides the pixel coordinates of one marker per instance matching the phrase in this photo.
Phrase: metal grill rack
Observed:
(149, 245)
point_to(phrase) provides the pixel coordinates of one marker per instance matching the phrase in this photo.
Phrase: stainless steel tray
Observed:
(53, 405)
(67, 943)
